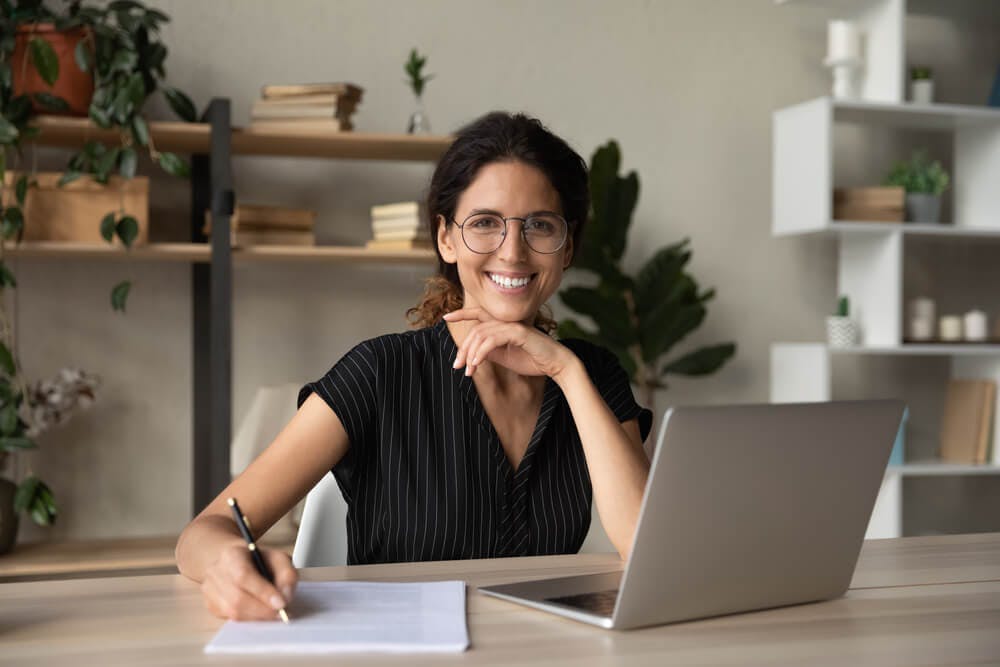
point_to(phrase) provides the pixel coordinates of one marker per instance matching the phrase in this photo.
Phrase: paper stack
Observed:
(306, 107)
(258, 224)
(401, 226)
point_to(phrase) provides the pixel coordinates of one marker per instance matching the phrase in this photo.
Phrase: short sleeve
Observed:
(612, 383)
(349, 388)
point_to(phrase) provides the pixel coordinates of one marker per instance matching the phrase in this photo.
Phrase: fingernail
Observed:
(277, 602)
(287, 592)
(455, 365)
(468, 370)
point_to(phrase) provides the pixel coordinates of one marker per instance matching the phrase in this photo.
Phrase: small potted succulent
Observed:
(841, 330)
(924, 181)
(921, 85)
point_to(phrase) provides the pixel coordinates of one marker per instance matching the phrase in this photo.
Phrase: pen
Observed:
(258, 560)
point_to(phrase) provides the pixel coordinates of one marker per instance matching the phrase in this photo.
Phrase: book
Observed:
(263, 217)
(313, 125)
(415, 244)
(299, 89)
(411, 209)
(250, 237)
(330, 100)
(967, 421)
(286, 111)
(397, 224)
(403, 234)
(882, 204)
(357, 616)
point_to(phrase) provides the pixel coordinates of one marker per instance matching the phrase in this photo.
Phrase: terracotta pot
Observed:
(8, 517)
(73, 85)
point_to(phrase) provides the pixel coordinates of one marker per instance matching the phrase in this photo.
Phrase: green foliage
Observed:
(843, 307)
(919, 175)
(34, 497)
(127, 58)
(414, 71)
(918, 73)
(639, 318)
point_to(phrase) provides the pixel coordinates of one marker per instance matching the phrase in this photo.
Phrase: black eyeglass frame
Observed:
(566, 226)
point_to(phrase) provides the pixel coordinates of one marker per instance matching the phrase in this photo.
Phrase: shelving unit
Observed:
(871, 255)
(212, 143)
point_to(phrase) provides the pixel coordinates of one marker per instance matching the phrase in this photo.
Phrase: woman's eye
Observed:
(539, 226)
(486, 223)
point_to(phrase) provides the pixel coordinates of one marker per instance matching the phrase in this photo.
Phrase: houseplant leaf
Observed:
(703, 361)
(108, 227)
(127, 230)
(45, 60)
(51, 102)
(181, 104)
(6, 277)
(8, 419)
(13, 221)
(174, 165)
(569, 328)
(663, 269)
(21, 189)
(607, 308)
(119, 295)
(127, 166)
(14, 443)
(7, 360)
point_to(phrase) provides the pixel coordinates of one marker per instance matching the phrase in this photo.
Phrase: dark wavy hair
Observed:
(497, 137)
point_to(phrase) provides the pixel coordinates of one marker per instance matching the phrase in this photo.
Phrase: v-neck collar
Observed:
(468, 391)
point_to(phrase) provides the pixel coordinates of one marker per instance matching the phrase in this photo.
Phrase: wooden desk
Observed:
(918, 601)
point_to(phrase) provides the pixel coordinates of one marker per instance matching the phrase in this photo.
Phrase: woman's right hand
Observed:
(233, 588)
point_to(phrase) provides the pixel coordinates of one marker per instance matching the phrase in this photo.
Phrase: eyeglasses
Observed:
(484, 233)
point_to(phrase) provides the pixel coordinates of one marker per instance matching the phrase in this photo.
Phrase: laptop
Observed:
(746, 507)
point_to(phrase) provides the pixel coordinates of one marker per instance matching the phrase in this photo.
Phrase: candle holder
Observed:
(844, 58)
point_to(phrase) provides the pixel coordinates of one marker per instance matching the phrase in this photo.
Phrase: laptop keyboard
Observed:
(601, 603)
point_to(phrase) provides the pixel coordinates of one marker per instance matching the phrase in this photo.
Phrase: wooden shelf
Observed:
(200, 252)
(93, 558)
(195, 137)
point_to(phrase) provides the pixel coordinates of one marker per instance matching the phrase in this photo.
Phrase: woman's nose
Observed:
(513, 248)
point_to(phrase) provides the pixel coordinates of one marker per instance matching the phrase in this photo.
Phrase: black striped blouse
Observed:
(426, 478)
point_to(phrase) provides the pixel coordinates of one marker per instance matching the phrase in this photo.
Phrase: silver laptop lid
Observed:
(755, 506)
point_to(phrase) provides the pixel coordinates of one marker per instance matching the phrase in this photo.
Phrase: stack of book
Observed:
(401, 226)
(967, 424)
(257, 224)
(306, 107)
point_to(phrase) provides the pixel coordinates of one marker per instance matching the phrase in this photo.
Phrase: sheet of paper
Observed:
(354, 616)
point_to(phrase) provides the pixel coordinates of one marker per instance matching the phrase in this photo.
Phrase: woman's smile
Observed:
(510, 283)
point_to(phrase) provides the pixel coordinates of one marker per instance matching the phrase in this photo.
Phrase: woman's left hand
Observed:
(524, 350)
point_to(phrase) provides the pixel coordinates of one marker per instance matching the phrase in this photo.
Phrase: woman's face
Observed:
(509, 189)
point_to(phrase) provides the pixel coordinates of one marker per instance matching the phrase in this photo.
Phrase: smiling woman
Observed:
(477, 434)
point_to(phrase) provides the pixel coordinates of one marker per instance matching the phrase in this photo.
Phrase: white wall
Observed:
(686, 87)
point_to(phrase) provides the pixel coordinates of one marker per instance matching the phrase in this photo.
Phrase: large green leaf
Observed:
(25, 493)
(181, 104)
(106, 164)
(658, 276)
(667, 325)
(128, 163)
(83, 55)
(606, 308)
(21, 189)
(613, 201)
(43, 56)
(13, 221)
(703, 361)
(140, 130)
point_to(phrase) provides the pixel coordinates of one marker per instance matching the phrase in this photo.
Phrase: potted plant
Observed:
(640, 318)
(841, 330)
(418, 124)
(124, 55)
(921, 85)
(924, 182)
(26, 411)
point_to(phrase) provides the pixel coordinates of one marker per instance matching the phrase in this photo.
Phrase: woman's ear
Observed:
(568, 259)
(444, 239)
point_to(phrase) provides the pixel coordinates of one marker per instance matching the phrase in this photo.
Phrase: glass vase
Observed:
(419, 123)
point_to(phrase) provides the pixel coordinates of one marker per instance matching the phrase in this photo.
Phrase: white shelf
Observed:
(907, 115)
(914, 229)
(940, 468)
(938, 350)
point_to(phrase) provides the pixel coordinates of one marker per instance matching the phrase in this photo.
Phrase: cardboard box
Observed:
(74, 211)
(869, 204)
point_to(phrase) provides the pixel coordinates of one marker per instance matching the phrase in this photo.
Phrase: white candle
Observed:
(950, 327)
(843, 41)
(975, 325)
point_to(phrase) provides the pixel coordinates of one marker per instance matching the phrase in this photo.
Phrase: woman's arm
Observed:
(210, 550)
(615, 458)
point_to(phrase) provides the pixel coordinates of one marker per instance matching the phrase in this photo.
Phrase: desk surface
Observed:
(913, 601)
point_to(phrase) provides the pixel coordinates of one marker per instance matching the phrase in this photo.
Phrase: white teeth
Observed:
(508, 282)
